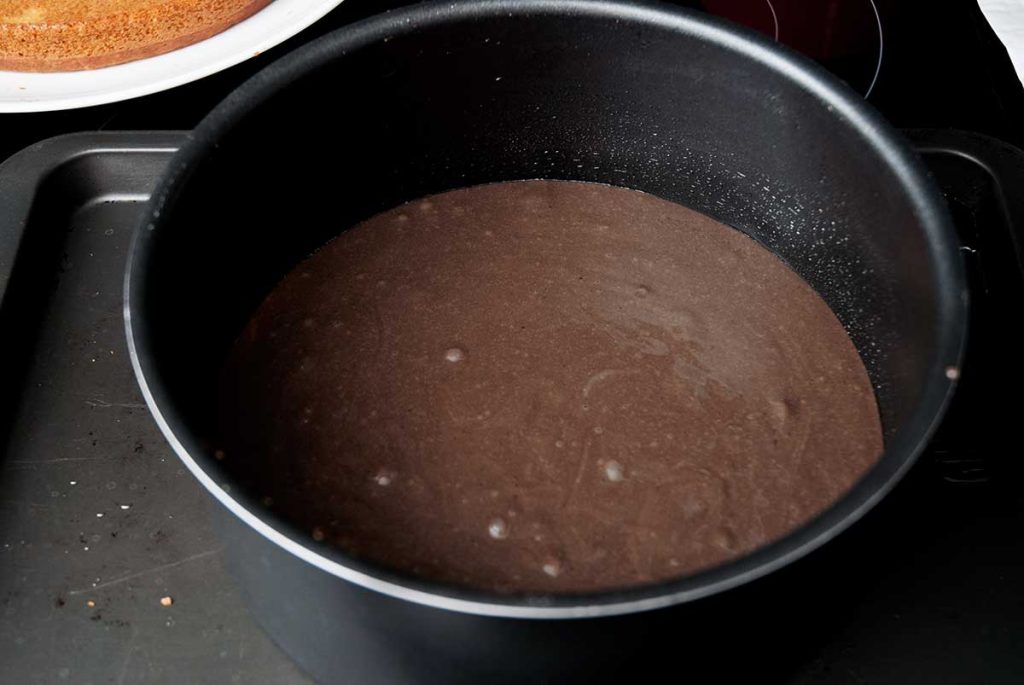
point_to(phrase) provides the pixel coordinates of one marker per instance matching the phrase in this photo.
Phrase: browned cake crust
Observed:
(71, 35)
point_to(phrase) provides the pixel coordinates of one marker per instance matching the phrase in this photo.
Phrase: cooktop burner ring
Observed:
(854, 23)
(881, 49)
(775, 18)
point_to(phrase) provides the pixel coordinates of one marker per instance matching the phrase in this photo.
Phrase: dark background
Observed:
(943, 68)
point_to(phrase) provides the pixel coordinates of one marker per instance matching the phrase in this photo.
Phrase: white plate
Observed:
(278, 21)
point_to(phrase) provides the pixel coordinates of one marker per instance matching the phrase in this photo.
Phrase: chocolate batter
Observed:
(545, 386)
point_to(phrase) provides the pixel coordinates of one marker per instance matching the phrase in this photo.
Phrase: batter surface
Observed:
(546, 386)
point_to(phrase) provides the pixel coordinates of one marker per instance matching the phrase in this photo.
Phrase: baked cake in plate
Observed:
(71, 35)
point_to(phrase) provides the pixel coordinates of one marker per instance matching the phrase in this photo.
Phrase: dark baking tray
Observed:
(94, 507)
(80, 444)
